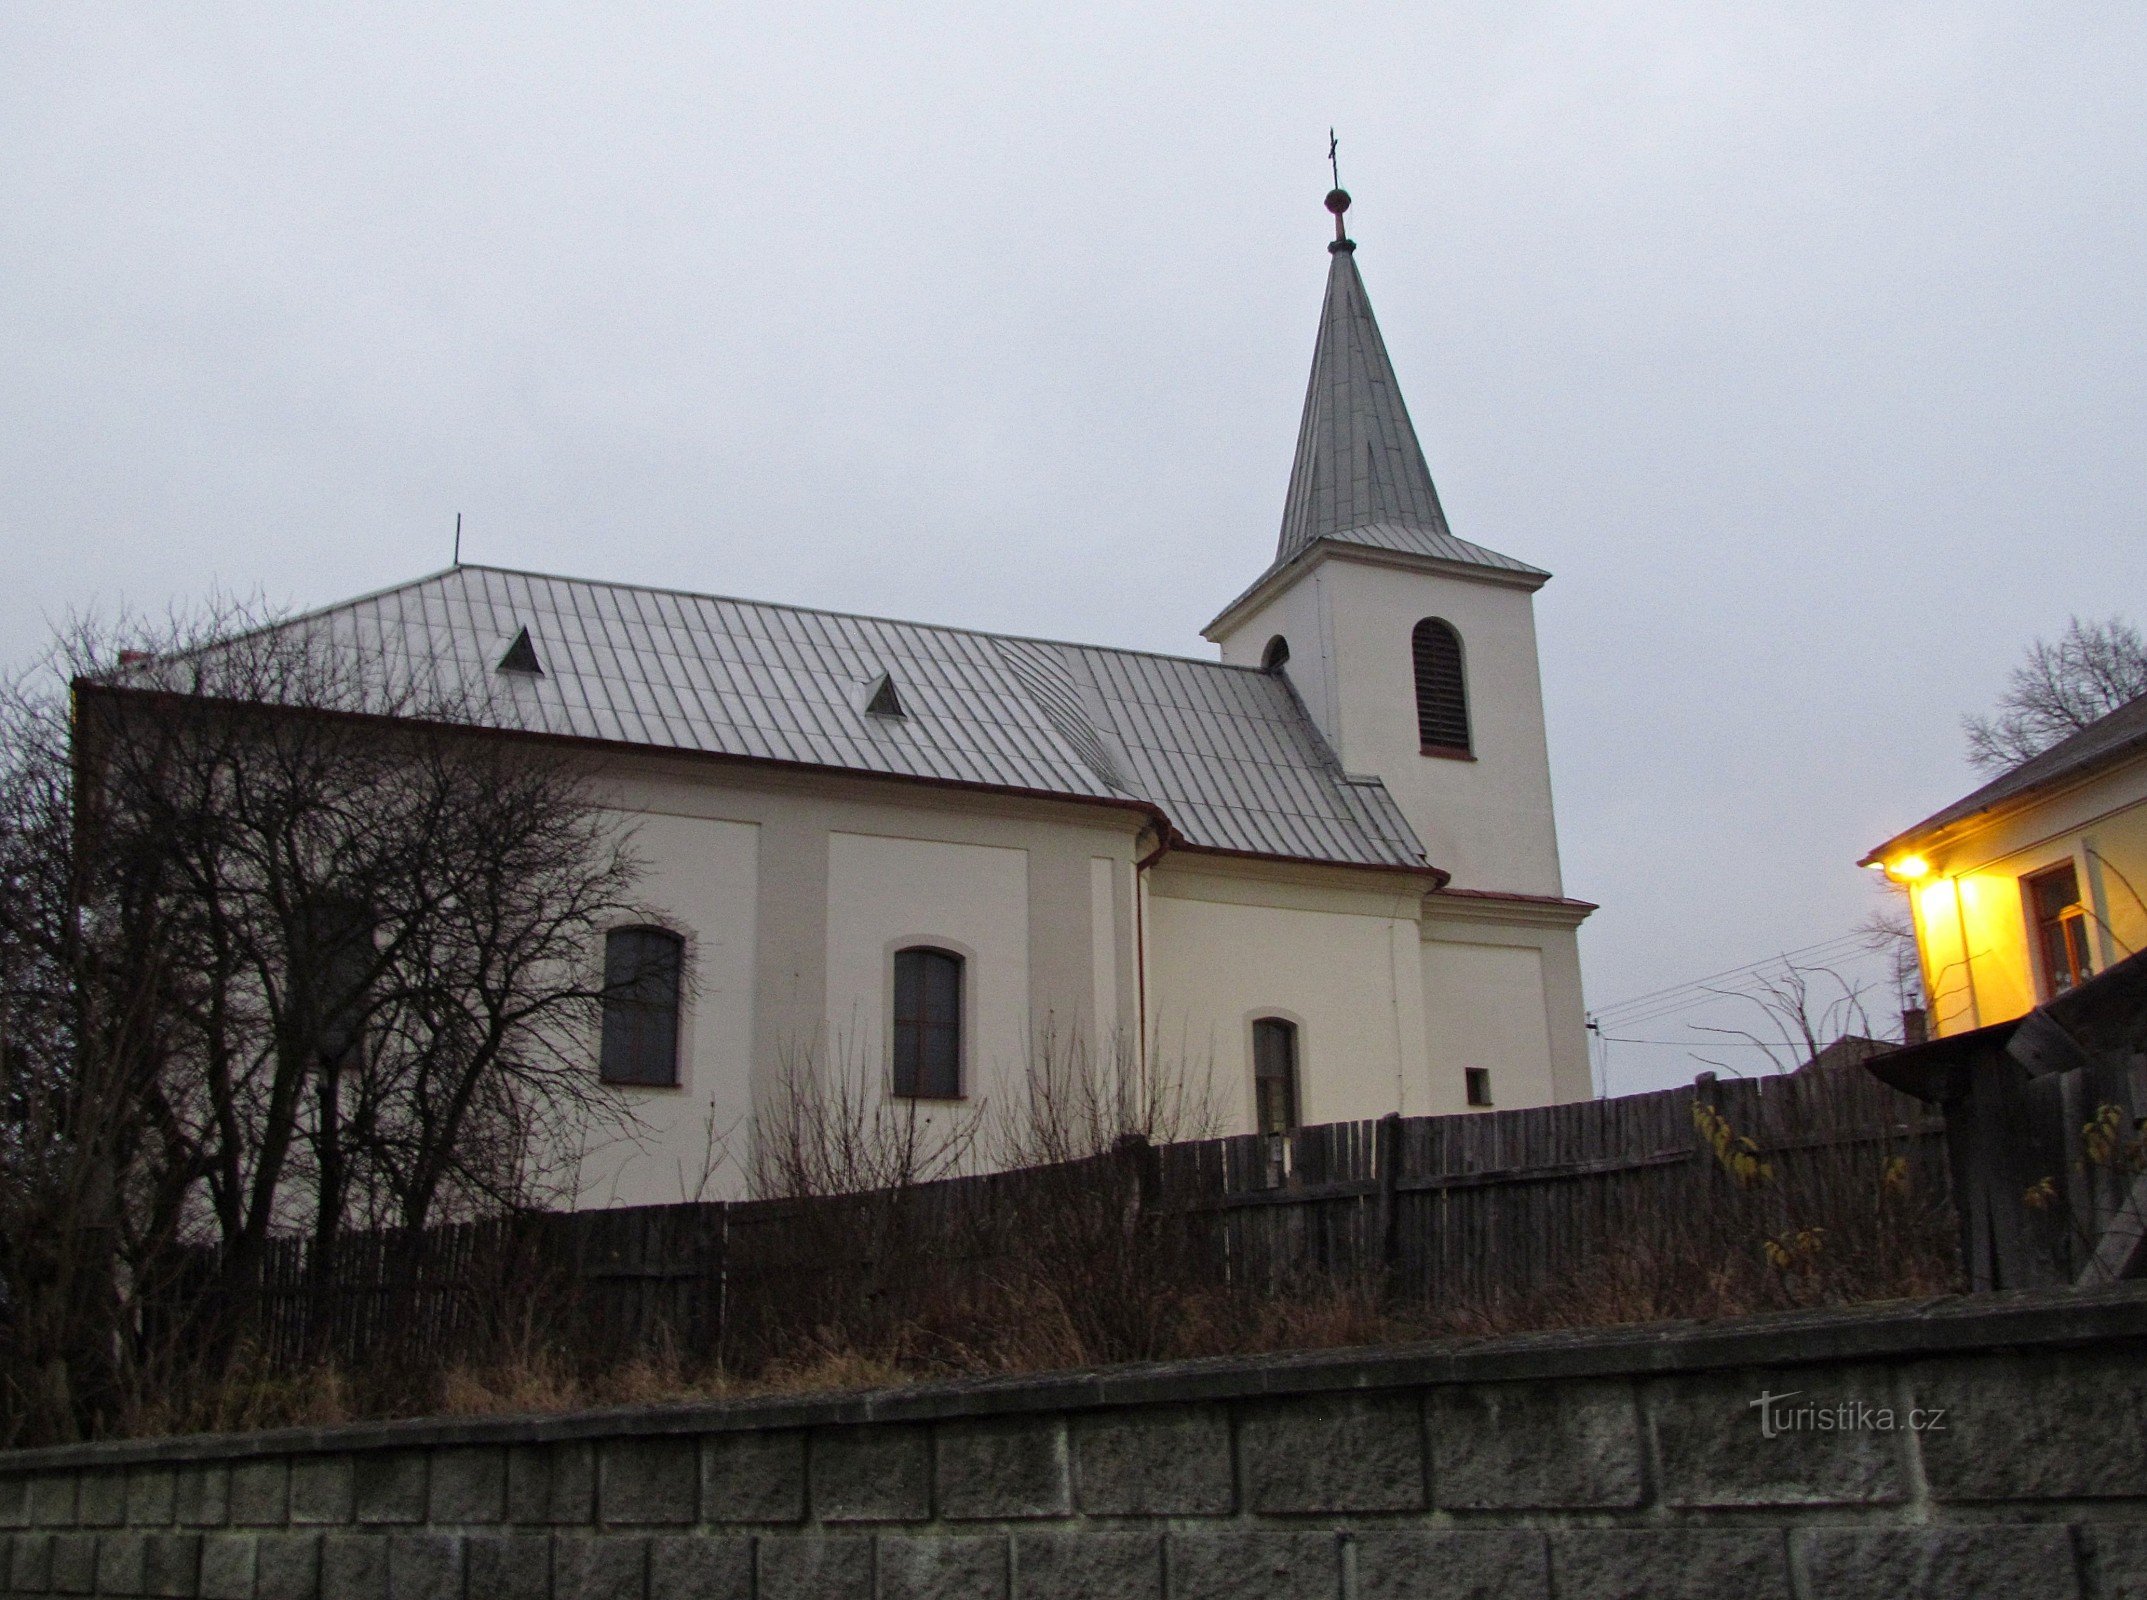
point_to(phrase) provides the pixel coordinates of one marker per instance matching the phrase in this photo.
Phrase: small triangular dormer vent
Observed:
(883, 701)
(521, 657)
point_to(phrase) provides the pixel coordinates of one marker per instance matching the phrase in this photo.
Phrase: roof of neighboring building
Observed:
(1226, 755)
(1360, 478)
(1850, 1050)
(2118, 736)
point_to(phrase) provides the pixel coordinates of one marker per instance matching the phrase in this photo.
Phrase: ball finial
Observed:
(1338, 201)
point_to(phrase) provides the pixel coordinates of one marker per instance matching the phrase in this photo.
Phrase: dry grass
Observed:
(1066, 1267)
(980, 1329)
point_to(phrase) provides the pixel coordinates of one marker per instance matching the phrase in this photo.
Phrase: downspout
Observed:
(1140, 947)
(1395, 970)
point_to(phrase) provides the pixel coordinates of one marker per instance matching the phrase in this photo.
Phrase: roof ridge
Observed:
(770, 605)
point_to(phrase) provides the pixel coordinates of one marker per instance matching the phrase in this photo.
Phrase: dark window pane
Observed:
(1274, 1075)
(1442, 696)
(2060, 928)
(641, 993)
(928, 1024)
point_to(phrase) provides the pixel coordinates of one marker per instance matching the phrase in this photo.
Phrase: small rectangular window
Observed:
(1274, 1075)
(1479, 1085)
(2060, 929)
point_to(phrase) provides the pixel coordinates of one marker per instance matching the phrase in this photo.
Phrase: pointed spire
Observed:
(1358, 462)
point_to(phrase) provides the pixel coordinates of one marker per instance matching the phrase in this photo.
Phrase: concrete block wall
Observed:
(1625, 1462)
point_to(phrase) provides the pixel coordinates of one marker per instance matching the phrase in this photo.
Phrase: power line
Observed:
(1680, 996)
(1700, 1044)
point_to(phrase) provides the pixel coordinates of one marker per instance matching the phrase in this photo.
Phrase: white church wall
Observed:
(1298, 614)
(793, 890)
(887, 893)
(1488, 821)
(1502, 991)
(789, 941)
(1228, 946)
(1484, 1007)
(702, 882)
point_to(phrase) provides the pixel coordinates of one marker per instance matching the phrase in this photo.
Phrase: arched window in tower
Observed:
(928, 1024)
(1276, 656)
(1442, 692)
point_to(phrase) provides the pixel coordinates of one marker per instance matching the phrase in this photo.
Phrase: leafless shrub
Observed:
(832, 1128)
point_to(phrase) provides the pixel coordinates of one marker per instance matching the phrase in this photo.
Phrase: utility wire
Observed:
(1699, 991)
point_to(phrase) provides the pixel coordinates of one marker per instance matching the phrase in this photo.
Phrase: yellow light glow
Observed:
(1908, 869)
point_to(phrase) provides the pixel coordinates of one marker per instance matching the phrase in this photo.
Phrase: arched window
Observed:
(1276, 656)
(642, 972)
(928, 1024)
(1442, 694)
(1274, 1075)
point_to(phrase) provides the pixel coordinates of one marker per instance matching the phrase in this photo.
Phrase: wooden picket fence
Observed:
(1457, 1210)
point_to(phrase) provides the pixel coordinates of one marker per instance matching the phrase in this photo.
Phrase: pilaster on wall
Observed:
(790, 953)
(1624, 1462)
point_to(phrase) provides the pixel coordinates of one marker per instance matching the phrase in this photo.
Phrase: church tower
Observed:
(1413, 650)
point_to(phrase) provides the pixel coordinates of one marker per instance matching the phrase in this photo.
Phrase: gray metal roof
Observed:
(2118, 736)
(1226, 754)
(1360, 478)
(1358, 461)
(1360, 475)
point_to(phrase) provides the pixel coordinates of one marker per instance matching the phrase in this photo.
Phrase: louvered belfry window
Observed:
(928, 1024)
(642, 969)
(1442, 694)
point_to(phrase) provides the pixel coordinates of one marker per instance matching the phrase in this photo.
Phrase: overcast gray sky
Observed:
(1804, 343)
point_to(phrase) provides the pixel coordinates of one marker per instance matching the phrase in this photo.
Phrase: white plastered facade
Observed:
(793, 891)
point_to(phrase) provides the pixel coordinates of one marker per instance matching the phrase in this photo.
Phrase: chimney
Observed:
(1915, 1025)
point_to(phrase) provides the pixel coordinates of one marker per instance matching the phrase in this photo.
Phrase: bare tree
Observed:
(1890, 934)
(290, 945)
(2092, 669)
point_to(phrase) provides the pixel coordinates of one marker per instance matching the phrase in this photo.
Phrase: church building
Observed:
(1315, 880)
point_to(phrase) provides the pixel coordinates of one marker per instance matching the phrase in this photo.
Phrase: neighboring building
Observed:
(1850, 1050)
(2033, 883)
(1318, 880)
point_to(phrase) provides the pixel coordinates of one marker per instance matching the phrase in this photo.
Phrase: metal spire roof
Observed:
(1358, 460)
(1360, 477)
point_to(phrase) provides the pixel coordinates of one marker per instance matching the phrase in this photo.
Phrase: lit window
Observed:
(928, 1024)
(2060, 929)
(1442, 694)
(642, 969)
(1478, 1080)
(1274, 1075)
